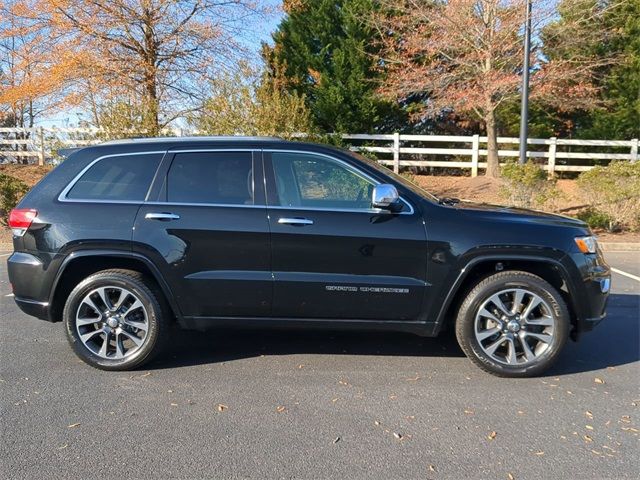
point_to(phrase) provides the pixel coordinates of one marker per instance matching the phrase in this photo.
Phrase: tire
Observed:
(512, 345)
(122, 306)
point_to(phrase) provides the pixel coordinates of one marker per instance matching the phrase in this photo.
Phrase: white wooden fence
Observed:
(395, 150)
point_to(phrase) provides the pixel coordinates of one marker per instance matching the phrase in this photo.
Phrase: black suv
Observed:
(124, 239)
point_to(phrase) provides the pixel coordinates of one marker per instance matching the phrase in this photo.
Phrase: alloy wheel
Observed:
(515, 326)
(112, 322)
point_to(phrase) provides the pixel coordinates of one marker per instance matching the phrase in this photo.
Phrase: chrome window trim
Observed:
(350, 168)
(63, 195)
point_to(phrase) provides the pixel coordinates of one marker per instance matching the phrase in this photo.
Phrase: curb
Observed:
(619, 246)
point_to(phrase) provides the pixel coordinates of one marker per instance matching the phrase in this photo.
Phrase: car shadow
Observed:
(616, 341)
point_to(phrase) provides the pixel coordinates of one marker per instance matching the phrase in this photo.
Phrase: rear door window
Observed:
(118, 178)
(220, 178)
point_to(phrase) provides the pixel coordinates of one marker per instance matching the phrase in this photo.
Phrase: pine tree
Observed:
(327, 51)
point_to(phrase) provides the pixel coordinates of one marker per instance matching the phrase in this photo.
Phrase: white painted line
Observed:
(620, 272)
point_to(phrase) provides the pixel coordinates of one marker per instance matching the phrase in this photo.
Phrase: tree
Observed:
(244, 103)
(160, 53)
(467, 56)
(326, 50)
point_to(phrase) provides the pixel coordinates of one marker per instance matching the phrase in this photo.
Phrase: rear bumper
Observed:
(34, 308)
(27, 274)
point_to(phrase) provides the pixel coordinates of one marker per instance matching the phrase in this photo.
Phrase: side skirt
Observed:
(424, 329)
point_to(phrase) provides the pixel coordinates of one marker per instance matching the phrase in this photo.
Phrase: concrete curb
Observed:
(619, 246)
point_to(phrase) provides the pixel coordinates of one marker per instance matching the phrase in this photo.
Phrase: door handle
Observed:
(162, 216)
(295, 221)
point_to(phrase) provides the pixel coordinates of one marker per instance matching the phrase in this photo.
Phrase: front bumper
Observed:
(593, 294)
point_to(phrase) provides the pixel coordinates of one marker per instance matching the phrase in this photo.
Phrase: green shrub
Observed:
(527, 186)
(614, 191)
(11, 191)
(597, 219)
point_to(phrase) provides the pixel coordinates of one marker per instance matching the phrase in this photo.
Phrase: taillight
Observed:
(20, 219)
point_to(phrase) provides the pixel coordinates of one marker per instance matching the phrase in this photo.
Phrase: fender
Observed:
(468, 267)
(119, 254)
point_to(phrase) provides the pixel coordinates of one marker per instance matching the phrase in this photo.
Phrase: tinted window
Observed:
(307, 180)
(124, 178)
(211, 177)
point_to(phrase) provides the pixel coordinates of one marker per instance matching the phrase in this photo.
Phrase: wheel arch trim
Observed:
(474, 262)
(157, 275)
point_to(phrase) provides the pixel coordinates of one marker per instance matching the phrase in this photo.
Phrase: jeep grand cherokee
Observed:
(124, 238)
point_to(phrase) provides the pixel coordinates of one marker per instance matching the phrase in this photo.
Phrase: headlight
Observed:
(587, 244)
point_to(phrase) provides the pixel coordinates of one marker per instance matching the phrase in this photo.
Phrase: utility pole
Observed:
(524, 108)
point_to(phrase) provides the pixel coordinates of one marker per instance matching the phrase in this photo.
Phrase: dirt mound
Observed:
(29, 174)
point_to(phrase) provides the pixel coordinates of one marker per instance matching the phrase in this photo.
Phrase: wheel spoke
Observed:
(487, 333)
(511, 351)
(486, 313)
(121, 298)
(535, 301)
(540, 336)
(518, 295)
(104, 349)
(491, 349)
(529, 355)
(135, 324)
(495, 299)
(135, 339)
(103, 296)
(542, 321)
(135, 305)
(88, 336)
(119, 347)
(81, 322)
(87, 300)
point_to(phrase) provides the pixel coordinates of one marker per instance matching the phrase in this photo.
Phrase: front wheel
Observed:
(115, 320)
(513, 324)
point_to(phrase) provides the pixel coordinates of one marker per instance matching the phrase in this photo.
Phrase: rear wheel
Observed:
(115, 320)
(513, 324)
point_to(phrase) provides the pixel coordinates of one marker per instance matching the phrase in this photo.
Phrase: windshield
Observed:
(398, 178)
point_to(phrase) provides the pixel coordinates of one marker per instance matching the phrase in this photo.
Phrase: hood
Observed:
(517, 214)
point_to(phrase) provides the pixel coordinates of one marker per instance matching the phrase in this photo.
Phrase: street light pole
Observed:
(524, 108)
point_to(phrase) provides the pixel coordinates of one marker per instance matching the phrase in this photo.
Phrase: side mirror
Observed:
(386, 196)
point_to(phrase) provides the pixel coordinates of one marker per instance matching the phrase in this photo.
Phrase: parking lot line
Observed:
(620, 272)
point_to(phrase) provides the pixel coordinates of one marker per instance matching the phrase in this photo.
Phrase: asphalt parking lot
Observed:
(320, 405)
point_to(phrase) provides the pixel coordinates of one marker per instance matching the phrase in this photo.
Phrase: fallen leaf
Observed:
(63, 446)
(281, 409)
(469, 412)
(414, 379)
(301, 366)
(588, 427)
(337, 439)
(596, 452)
(432, 468)
(587, 438)
(511, 477)
(376, 423)
(397, 435)
(588, 414)
(492, 435)
(342, 382)
(539, 453)
(222, 407)
(520, 412)
(626, 419)
(145, 374)
(630, 429)
(598, 380)
(73, 425)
